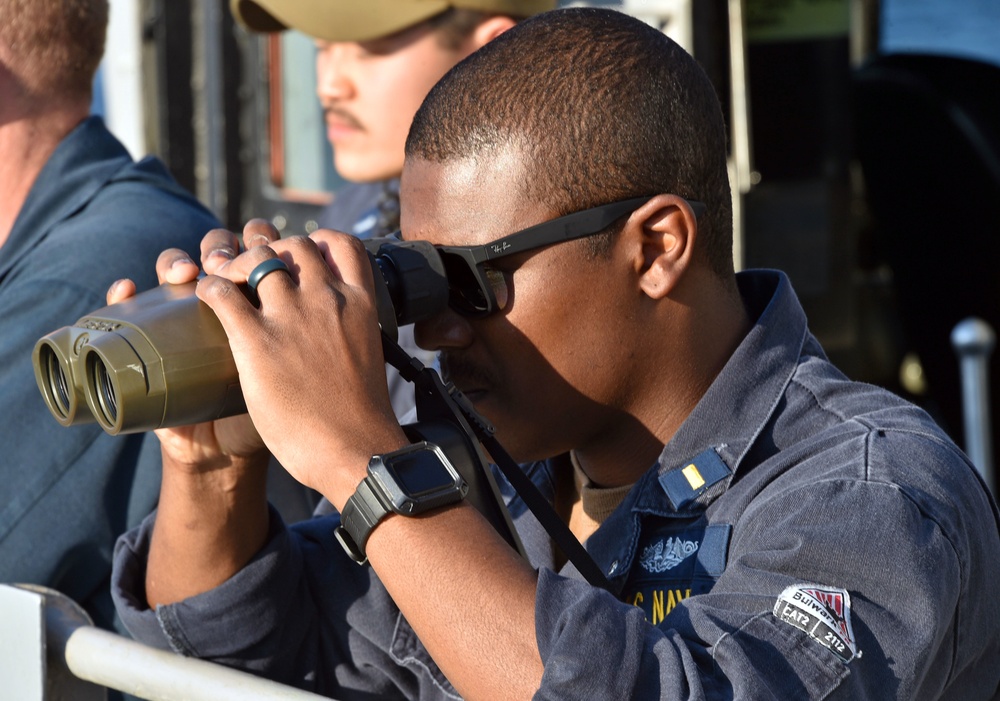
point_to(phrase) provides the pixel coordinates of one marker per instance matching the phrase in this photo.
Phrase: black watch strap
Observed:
(408, 481)
(361, 512)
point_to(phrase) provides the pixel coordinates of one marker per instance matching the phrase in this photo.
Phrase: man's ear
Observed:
(488, 30)
(666, 229)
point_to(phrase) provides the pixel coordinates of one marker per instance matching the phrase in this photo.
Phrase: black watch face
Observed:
(420, 473)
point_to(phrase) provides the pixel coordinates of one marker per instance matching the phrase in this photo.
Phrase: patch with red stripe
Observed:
(824, 613)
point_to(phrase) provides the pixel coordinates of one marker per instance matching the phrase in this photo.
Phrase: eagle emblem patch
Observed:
(666, 554)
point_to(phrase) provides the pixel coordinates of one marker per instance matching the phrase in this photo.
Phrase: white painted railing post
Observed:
(50, 651)
(974, 341)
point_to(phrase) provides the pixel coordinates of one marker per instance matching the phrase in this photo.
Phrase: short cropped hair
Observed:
(605, 106)
(53, 47)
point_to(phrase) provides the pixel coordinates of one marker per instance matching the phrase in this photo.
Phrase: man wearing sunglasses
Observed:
(766, 527)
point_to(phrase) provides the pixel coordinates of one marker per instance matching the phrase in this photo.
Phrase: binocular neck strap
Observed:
(451, 402)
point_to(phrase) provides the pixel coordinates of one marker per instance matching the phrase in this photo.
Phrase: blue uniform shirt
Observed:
(92, 216)
(802, 536)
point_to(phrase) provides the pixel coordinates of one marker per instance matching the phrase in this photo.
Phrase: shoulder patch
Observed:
(822, 612)
(686, 482)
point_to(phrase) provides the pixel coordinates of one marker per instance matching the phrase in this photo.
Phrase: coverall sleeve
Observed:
(300, 613)
(902, 557)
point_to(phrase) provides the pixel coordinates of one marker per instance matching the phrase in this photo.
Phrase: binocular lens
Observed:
(103, 388)
(162, 358)
(56, 382)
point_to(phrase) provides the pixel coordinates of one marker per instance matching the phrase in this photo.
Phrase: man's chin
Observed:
(518, 445)
(480, 401)
(483, 402)
(362, 170)
(476, 396)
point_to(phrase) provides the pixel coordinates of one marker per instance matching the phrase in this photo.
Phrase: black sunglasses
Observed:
(478, 290)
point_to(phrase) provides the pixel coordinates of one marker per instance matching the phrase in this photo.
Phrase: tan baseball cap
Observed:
(360, 20)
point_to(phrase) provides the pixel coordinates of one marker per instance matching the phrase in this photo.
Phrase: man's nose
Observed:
(333, 80)
(443, 331)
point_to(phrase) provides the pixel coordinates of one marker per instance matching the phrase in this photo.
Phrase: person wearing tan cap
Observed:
(375, 62)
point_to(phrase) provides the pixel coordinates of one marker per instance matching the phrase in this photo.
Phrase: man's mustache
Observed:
(465, 375)
(344, 116)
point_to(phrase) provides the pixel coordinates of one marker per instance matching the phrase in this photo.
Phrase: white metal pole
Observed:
(122, 76)
(119, 663)
(50, 650)
(974, 341)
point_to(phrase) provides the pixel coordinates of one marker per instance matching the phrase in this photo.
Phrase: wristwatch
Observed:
(410, 481)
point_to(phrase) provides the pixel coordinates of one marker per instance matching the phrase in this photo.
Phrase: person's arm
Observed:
(469, 597)
(212, 515)
(443, 569)
(209, 524)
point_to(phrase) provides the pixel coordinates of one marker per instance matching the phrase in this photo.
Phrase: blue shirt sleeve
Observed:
(900, 554)
(300, 613)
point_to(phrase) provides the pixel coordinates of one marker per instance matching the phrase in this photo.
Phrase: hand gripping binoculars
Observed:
(163, 359)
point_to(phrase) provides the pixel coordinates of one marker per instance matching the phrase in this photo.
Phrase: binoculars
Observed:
(163, 359)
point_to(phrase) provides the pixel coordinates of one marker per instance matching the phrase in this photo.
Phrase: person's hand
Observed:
(212, 515)
(213, 444)
(310, 356)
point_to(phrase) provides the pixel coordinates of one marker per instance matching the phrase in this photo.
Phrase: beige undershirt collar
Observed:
(586, 505)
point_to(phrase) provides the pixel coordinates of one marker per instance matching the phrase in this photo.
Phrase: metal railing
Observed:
(49, 650)
(974, 341)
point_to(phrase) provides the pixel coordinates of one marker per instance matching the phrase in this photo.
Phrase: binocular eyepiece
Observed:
(163, 359)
